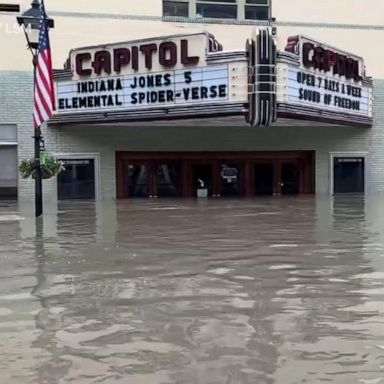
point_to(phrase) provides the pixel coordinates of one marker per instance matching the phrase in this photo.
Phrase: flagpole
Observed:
(38, 139)
(38, 179)
(36, 20)
(43, 9)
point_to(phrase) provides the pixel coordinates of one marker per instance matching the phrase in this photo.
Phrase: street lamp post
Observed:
(30, 21)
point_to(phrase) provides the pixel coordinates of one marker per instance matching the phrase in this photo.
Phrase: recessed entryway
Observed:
(214, 174)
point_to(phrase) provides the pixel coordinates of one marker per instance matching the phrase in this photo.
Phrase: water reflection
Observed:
(323, 329)
(258, 291)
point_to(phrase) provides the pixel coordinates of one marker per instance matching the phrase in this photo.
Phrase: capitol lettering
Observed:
(327, 60)
(168, 54)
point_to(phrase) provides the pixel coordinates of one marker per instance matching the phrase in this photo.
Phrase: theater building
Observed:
(195, 114)
(179, 116)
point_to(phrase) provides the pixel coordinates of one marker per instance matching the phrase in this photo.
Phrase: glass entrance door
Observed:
(77, 181)
(202, 179)
(168, 179)
(264, 178)
(137, 180)
(290, 178)
(231, 179)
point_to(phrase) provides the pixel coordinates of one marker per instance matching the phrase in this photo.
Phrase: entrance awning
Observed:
(217, 121)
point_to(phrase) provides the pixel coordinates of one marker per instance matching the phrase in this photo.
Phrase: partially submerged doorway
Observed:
(222, 174)
(77, 180)
(264, 179)
(348, 174)
(202, 178)
(291, 173)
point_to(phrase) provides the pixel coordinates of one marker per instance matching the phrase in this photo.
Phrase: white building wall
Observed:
(375, 141)
(354, 26)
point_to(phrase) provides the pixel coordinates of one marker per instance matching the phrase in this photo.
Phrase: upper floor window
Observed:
(219, 9)
(257, 9)
(11, 8)
(175, 8)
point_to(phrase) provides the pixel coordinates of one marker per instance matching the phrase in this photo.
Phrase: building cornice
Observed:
(115, 16)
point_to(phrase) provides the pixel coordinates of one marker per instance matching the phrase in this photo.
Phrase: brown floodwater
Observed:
(275, 290)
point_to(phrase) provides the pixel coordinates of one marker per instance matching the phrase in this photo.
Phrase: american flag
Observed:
(44, 99)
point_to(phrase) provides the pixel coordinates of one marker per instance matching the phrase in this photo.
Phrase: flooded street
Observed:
(260, 291)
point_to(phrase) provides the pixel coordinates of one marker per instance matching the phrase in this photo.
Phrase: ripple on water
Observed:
(283, 245)
(10, 218)
(16, 296)
(282, 266)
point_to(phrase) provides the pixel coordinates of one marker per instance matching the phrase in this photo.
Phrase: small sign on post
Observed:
(42, 156)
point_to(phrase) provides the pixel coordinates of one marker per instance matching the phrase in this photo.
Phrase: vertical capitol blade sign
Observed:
(261, 78)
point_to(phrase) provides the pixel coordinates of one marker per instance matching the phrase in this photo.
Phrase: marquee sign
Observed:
(315, 90)
(328, 60)
(143, 56)
(190, 76)
(324, 83)
(165, 89)
(162, 74)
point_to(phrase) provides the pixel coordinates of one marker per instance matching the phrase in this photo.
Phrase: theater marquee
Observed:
(170, 76)
(318, 82)
(191, 76)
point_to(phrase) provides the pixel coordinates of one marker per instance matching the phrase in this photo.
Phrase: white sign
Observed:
(329, 93)
(229, 174)
(159, 89)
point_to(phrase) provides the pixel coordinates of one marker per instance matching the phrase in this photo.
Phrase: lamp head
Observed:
(30, 21)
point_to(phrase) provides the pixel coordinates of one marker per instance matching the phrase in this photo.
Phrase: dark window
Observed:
(256, 13)
(348, 174)
(290, 179)
(218, 1)
(257, 2)
(8, 172)
(218, 11)
(14, 8)
(264, 175)
(77, 181)
(175, 8)
(257, 10)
